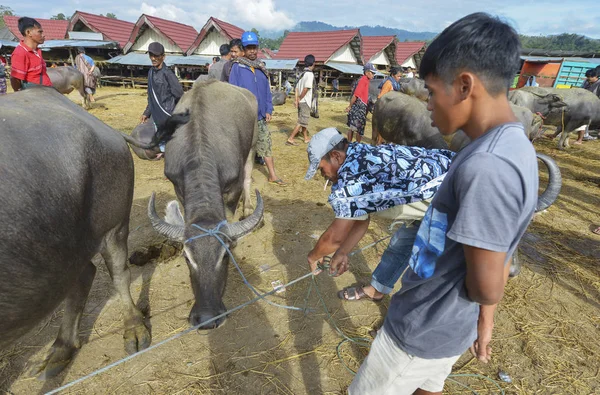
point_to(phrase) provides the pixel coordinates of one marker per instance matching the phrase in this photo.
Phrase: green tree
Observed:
(110, 15)
(59, 17)
(4, 10)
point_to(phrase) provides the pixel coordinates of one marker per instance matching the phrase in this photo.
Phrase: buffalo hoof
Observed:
(136, 338)
(57, 360)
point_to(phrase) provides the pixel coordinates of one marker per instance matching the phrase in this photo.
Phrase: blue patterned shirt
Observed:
(373, 179)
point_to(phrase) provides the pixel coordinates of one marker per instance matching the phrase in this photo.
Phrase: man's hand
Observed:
(313, 264)
(481, 347)
(339, 264)
(268, 117)
(143, 119)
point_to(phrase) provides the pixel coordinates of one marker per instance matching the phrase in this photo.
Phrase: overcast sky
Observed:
(529, 17)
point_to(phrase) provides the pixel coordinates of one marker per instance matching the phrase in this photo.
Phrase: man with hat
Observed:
(247, 72)
(164, 89)
(357, 110)
(86, 66)
(394, 181)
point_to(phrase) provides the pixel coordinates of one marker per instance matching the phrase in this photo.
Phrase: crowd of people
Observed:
(464, 213)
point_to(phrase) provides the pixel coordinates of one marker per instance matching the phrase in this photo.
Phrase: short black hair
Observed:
(591, 73)
(309, 60)
(224, 49)
(236, 42)
(395, 70)
(26, 23)
(341, 146)
(479, 43)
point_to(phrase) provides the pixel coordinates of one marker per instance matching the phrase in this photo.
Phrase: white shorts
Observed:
(389, 370)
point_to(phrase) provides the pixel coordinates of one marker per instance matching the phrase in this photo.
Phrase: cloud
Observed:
(260, 14)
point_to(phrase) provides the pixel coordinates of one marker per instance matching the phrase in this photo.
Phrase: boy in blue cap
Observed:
(459, 263)
(247, 72)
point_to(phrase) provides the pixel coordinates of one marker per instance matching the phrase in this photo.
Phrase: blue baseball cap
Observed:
(249, 38)
(320, 144)
(370, 67)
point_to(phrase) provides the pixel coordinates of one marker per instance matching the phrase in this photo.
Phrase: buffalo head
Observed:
(206, 257)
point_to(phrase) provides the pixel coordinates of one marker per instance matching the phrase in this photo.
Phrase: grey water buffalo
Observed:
(405, 120)
(65, 196)
(414, 87)
(66, 79)
(567, 109)
(279, 98)
(209, 160)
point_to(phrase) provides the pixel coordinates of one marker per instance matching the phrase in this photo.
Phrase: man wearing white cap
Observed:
(394, 180)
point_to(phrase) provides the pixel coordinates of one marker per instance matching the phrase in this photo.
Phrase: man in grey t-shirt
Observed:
(458, 267)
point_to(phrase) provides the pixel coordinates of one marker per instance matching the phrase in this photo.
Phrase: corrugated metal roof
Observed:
(140, 59)
(8, 43)
(320, 44)
(348, 68)
(53, 29)
(280, 64)
(112, 29)
(79, 43)
(406, 50)
(227, 30)
(372, 45)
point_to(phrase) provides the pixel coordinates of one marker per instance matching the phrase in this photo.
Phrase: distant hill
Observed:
(315, 26)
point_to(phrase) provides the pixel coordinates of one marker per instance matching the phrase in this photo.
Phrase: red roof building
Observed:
(53, 29)
(175, 37)
(212, 35)
(110, 28)
(379, 50)
(409, 54)
(342, 46)
(266, 53)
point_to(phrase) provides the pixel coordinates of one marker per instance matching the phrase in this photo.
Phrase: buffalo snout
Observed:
(205, 315)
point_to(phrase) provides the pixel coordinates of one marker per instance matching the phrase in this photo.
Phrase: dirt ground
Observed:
(547, 328)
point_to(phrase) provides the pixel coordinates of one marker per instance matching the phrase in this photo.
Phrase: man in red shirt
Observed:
(27, 64)
(357, 110)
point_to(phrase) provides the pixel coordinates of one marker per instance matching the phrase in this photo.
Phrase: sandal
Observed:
(596, 231)
(356, 293)
(291, 143)
(279, 182)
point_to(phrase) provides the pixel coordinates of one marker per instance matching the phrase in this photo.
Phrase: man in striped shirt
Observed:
(27, 64)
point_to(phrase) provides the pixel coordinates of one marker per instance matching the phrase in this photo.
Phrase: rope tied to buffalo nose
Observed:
(219, 235)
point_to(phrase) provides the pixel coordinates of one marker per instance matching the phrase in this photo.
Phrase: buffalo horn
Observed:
(554, 183)
(173, 232)
(247, 225)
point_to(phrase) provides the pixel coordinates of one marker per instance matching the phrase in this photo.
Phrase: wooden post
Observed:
(280, 80)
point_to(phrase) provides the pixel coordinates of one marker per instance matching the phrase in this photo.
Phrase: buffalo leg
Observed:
(247, 184)
(136, 336)
(67, 341)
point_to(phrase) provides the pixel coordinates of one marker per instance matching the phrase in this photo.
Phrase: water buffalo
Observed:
(404, 120)
(279, 98)
(414, 87)
(66, 194)
(567, 109)
(66, 79)
(209, 160)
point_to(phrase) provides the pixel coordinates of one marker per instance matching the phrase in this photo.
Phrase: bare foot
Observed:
(577, 142)
(372, 292)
